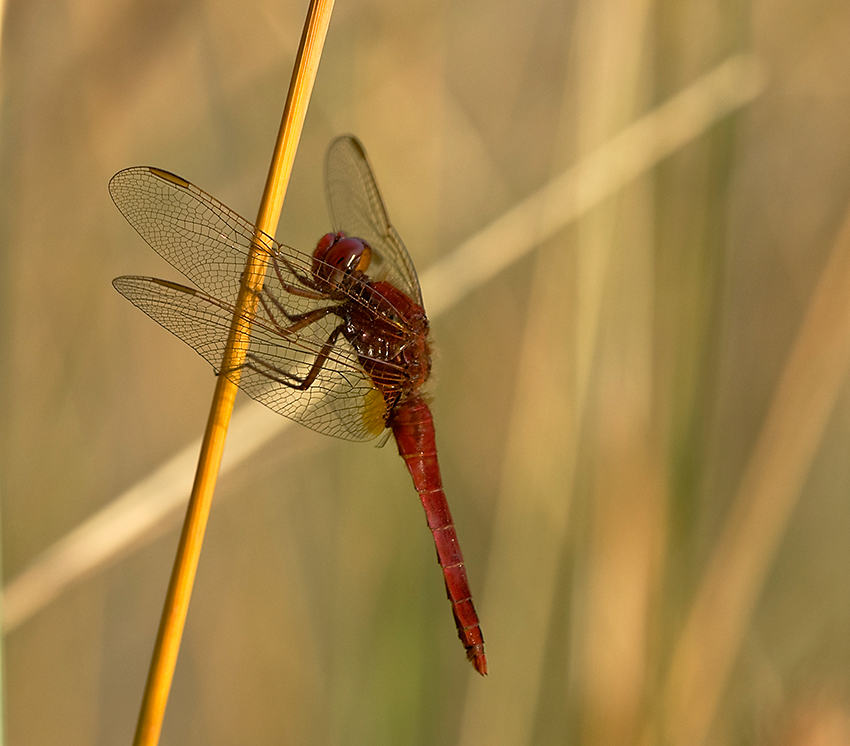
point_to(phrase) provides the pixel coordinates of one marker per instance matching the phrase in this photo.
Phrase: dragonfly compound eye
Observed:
(337, 255)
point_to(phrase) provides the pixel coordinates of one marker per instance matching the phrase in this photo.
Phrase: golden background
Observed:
(644, 423)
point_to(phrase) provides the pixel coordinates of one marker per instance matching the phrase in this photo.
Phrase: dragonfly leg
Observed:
(313, 290)
(265, 294)
(299, 320)
(290, 379)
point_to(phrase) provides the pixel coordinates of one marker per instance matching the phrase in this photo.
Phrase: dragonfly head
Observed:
(338, 257)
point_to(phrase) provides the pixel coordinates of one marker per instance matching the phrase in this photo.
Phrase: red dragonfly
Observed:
(340, 351)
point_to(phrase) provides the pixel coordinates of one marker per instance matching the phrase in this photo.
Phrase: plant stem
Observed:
(176, 606)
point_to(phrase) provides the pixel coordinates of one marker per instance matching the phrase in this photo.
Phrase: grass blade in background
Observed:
(804, 398)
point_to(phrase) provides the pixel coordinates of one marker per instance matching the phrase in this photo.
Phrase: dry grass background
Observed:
(644, 426)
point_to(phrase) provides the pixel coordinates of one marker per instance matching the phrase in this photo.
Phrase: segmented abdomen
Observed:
(413, 427)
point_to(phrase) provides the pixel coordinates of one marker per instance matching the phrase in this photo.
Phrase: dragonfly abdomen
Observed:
(413, 427)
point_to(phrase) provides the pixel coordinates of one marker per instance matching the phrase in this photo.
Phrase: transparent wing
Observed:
(192, 230)
(357, 209)
(342, 401)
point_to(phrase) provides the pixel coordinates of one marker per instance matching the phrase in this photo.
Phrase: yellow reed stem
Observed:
(212, 447)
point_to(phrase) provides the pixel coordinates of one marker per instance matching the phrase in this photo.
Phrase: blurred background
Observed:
(643, 421)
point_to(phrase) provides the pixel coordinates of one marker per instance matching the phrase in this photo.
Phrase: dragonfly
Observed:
(339, 339)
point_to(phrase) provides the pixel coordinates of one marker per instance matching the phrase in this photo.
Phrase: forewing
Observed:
(342, 401)
(190, 229)
(357, 209)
